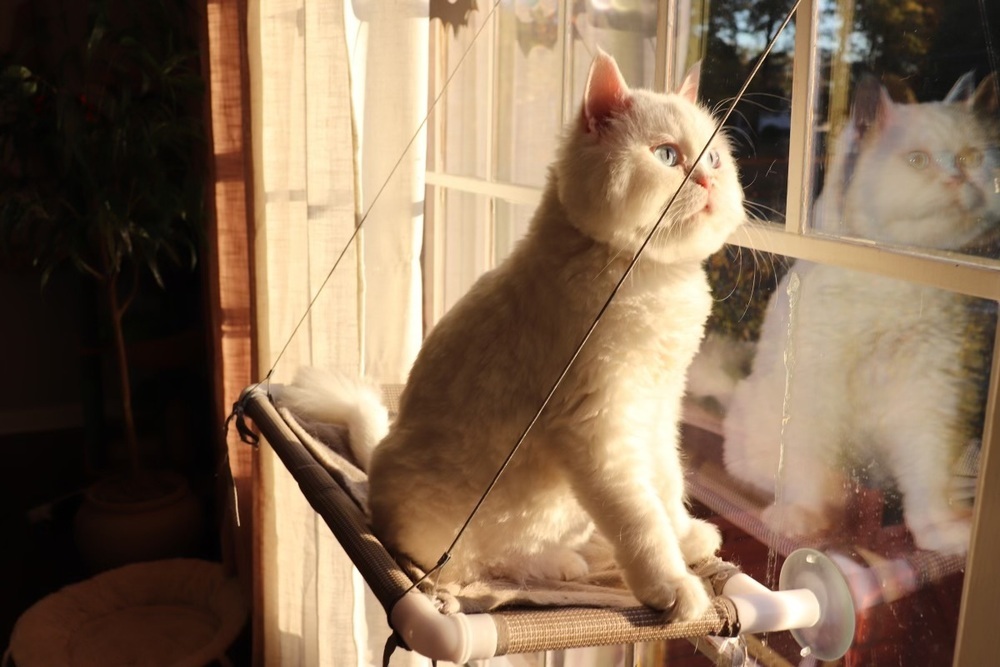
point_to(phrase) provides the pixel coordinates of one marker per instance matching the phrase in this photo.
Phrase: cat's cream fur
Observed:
(859, 371)
(604, 451)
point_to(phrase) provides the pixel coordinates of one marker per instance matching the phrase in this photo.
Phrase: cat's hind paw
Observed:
(702, 541)
(559, 564)
(794, 520)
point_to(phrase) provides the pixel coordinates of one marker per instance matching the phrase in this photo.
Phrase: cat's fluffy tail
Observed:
(327, 397)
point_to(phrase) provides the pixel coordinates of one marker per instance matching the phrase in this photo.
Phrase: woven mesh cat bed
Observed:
(328, 481)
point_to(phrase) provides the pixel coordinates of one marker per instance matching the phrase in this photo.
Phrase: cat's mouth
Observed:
(708, 206)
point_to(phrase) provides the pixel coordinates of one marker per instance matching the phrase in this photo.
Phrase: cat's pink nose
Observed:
(702, 180)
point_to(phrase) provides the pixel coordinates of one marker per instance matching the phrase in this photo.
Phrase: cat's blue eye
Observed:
(667, 154)
(713, 158)
(918, 159)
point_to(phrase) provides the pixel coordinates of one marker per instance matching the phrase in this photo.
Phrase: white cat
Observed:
(604, 451)
(856, 371)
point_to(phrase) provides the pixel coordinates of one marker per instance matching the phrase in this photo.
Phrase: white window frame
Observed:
(977, 643)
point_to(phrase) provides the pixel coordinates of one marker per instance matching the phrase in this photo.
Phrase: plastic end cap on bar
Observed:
(831, 637)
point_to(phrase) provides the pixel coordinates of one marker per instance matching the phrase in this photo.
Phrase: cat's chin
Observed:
(690, 241)
(674, 255)
(926, 231)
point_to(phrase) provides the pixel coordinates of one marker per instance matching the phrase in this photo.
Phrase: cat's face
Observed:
(627, 155)
(927, 174)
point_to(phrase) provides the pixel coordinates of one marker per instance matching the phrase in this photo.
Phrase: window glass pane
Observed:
(465, 243)
(511, 223)
(845, 412)
(466, 102)
(727, 37)
(625, 29)
(529, 83)
(907, 147)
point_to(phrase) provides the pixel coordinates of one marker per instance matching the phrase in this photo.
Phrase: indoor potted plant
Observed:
(100, 154)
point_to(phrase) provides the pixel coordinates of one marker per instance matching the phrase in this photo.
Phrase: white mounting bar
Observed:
(814, 602)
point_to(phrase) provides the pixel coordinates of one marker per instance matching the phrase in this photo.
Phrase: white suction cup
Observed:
(831, 637)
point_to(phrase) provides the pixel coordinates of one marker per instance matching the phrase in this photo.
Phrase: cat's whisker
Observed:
(733, 112)
(720, 106)
(758, 257)
(751, 99)
(732, 290)
(757, 210)
(748, 99)
(751, 183)
(744, 135)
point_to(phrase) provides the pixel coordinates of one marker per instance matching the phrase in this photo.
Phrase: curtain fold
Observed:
(392, 110)
(319, 150)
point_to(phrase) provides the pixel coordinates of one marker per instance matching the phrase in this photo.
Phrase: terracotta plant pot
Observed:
(134, 518)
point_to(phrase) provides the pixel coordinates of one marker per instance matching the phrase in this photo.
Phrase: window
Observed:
(864, 116)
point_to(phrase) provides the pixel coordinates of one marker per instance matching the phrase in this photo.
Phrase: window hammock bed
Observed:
(814, 601)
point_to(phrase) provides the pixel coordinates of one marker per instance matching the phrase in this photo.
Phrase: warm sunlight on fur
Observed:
(604, 453)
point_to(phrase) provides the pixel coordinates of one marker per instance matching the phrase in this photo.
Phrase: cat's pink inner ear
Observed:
(872, 106)
(987, 97)
(606, 92)
(886, 108)
(689, 86)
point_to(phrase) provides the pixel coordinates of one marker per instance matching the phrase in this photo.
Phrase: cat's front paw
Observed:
(685, 599)
(794, 520)
(702, 541)
(947, 536)
(692, 600)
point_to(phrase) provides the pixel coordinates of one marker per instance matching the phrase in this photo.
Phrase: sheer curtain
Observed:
(338, 91)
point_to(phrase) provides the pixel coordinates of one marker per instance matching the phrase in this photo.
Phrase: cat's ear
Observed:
(899, 91)
(962, 90)
(986, 101)
(872, 106)
(689, 85)
(606, 93)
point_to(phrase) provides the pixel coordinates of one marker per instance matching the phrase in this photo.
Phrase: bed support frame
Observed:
(814, 599)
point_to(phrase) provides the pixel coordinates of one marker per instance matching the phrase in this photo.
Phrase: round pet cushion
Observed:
(178, 613)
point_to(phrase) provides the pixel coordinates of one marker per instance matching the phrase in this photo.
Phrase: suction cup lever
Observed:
(813, 571)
